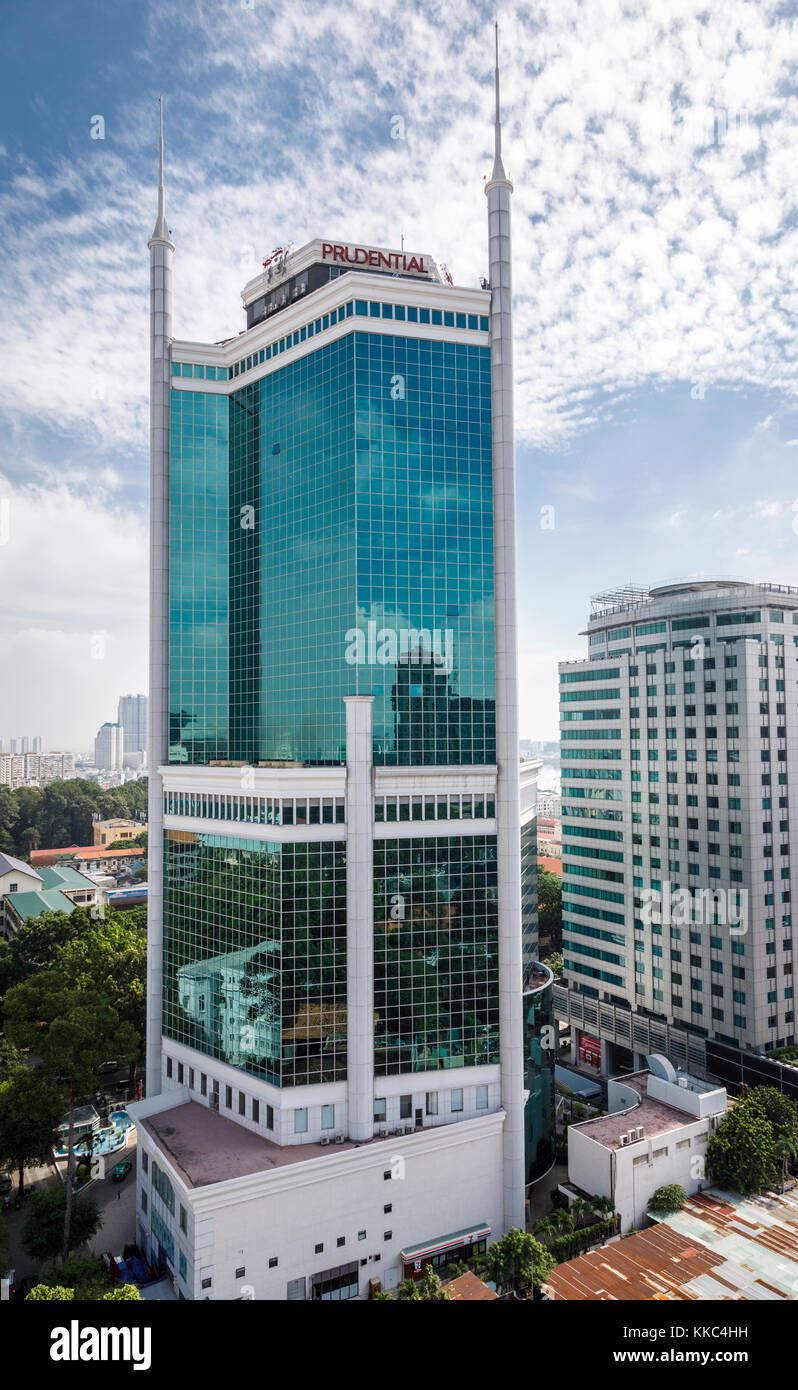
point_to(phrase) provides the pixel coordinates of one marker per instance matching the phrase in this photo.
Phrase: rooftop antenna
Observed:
(498, 167)
(161, 232)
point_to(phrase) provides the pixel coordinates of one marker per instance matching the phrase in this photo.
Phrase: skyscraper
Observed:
(335, 1069)
(679, 792)
(108, 747)
(132, 715)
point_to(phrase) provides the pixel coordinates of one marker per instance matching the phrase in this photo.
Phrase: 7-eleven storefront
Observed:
(444, 1251)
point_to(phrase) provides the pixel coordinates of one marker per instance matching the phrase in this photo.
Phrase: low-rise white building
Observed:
(656, 1133)
(232, 1215)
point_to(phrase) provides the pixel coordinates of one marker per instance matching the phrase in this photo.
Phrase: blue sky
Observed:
(653, 154)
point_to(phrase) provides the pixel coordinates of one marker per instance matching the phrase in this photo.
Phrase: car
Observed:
(121, 1170)
(108, 1066)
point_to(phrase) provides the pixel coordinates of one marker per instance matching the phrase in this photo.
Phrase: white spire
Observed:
(161, 232)
(498, 167)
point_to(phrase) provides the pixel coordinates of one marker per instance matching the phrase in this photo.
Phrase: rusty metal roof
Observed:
(720, 1246)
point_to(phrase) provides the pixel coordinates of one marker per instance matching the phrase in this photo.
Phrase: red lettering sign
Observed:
(366, 255)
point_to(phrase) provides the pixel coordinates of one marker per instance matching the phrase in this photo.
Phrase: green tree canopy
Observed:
(746, 1151)
(43, 1227)
(517, 1262)
(671, 1197)
(550, 908)
(31, 1108)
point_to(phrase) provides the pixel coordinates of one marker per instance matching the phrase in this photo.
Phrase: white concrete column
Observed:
(359, 916)
(508, 808)
(161, 252)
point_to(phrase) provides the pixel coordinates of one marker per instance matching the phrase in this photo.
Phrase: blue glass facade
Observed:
(332, 534)
(347, 491)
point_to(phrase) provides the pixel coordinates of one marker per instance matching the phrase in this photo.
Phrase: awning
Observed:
(450, 1242)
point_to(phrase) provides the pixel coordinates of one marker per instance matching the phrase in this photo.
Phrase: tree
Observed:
(787, 1152)
(555, 964)
(550, 908)
(69, 1030)
(31, 1108)
(44, 1225)
(427, 1289)
(517, 1262)
(41, 1292)
(123, 1293)
(746, 1152)
(85, 1274)
(671, 1197)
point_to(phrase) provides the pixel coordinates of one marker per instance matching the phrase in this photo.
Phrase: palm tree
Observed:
(787, 1151)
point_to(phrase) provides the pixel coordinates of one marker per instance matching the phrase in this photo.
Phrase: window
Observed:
(228, 1097)
(145, 1162)
(328, 1117)
(241, 1272)
(273, 1262)
(183, 1219)
(242, 1103)
(269, 1117)
(256, 1111)
(320, 1249)
(432, 1102)
(380, 1109)
(482, 1097)
(457, 1100)
(300, 1122)
(405, 1107)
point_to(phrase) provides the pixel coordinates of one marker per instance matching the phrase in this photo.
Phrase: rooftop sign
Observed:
(375, 258)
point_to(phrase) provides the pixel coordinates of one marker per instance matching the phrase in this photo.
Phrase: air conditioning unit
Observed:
(325, 1139)
(339, 1138)
(624, 1140)
(684, 1082)
(639, 1132)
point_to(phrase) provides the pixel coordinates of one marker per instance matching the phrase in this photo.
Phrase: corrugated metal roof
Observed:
(27, 905)
(720, 1246)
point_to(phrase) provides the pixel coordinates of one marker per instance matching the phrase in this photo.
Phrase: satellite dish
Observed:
(661, 1067)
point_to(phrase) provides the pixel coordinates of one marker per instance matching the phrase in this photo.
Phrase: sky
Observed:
(652, 148)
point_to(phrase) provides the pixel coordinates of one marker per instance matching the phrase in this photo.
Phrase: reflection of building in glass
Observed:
(256, 955)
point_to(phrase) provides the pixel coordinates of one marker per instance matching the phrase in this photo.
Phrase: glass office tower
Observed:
(335, 902)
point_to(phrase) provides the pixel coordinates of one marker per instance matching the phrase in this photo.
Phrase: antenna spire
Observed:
(161, 232)
(498, 167)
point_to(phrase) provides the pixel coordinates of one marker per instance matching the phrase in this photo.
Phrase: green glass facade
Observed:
(436, 967)
(255, 954)
(348, 490)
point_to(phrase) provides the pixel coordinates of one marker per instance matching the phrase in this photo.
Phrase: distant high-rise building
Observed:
(679, 807)
(132, 715)
(36, 744)
(108, 747)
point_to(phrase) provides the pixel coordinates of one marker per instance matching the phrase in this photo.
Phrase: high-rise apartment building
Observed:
(679, 802)
(337, 1014)
(132, 715)
(108, 747)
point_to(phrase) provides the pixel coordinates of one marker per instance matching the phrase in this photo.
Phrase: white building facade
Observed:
(656, 1134)
(680, 779)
